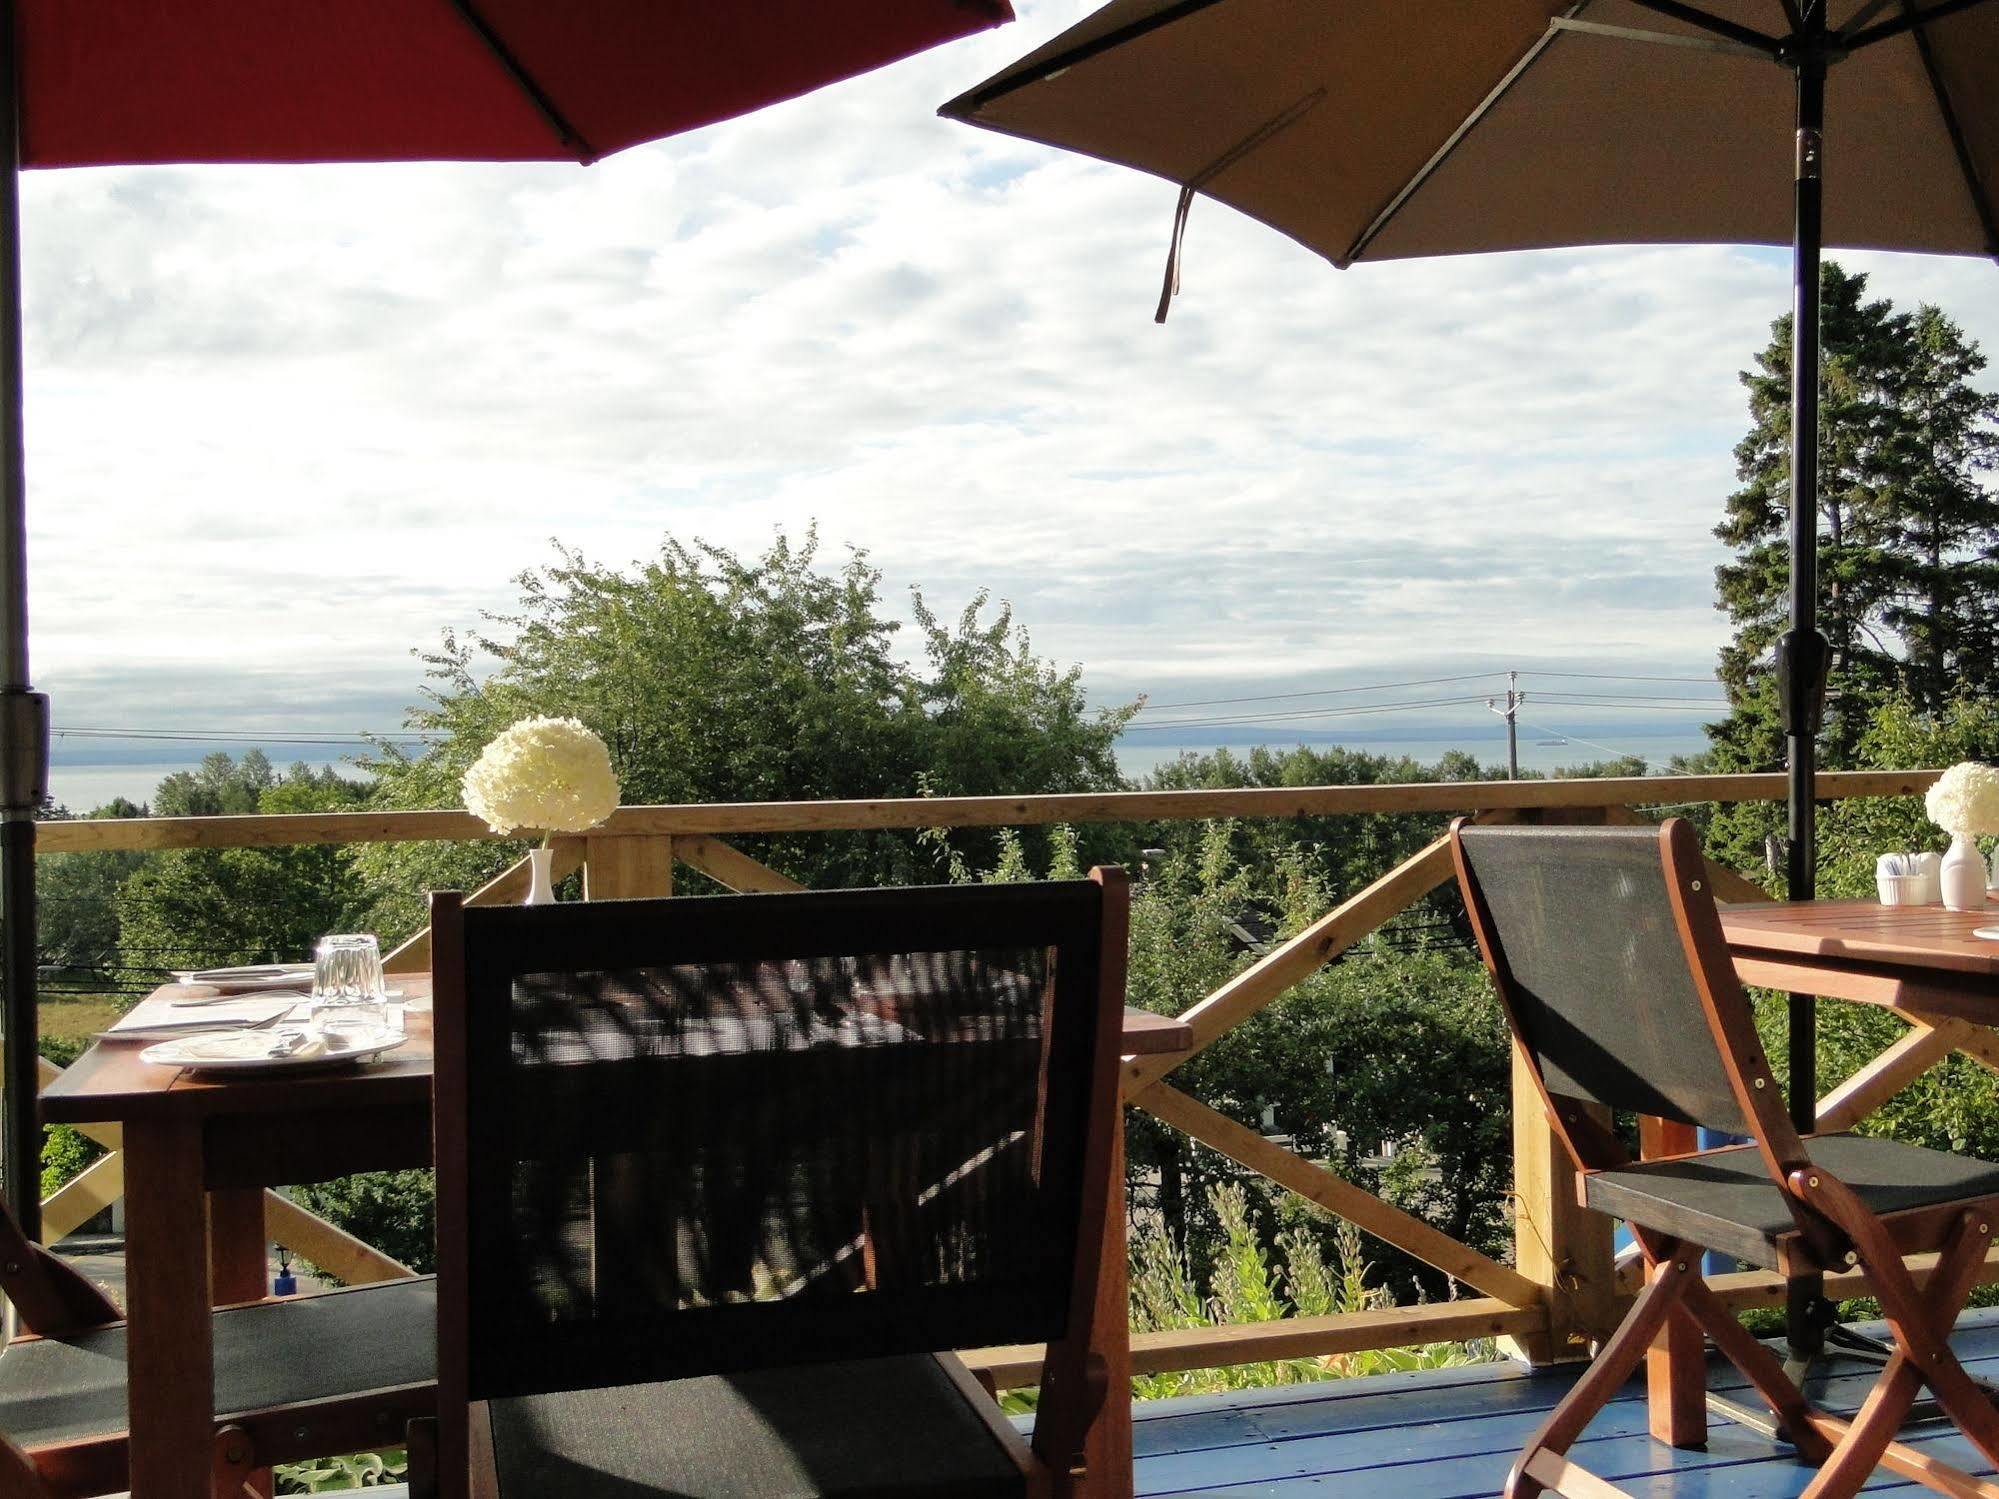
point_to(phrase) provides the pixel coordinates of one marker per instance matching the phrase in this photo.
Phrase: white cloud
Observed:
(287, 424)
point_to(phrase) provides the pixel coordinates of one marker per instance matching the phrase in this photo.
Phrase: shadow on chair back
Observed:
(682, 1139)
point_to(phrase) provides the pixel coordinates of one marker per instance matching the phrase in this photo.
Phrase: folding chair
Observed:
(1609, 960)
(309, 1376)
(721, 1181)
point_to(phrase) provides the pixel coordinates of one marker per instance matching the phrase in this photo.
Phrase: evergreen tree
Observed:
(1908, 532)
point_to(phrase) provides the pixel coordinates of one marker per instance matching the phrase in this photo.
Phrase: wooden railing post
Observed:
(1560, 1245)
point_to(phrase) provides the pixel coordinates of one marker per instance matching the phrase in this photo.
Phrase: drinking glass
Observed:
(347, 989)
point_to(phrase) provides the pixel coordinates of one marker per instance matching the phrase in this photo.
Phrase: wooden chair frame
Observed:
(452, 1456)
(52, 1300)
(1834, 1228)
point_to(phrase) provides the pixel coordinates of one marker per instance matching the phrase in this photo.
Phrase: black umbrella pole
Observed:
(1802, 654)
(23, 712)
(1803, 677)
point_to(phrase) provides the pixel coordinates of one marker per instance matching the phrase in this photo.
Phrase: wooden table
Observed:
(200, 1152)
(1920, 961)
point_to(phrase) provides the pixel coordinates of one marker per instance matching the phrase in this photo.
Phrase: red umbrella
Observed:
(122, 82)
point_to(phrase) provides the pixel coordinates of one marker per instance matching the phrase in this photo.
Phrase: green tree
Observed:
(719, 678)
(76, 912)
(1908, 532)
(202, 906)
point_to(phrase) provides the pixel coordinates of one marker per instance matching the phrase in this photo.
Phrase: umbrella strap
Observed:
(1282, 120)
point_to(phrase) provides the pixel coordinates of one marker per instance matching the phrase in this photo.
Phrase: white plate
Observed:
(1990, 933)
(248, 980)
(250, 1051)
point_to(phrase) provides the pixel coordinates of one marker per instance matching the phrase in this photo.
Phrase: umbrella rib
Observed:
(1443, 153)
(1662, 38)
(1693, 15)
(1908, 21)
(565, 132)
(1981, 202)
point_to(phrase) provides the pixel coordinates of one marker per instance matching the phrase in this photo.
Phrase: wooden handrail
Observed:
(1563, 1287)
(722, 819)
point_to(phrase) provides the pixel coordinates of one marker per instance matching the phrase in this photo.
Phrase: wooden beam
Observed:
(83, 1197)
(730, 866)
(725, 819)
(1979, 1042)
(1337, 1195)
(1743, 1289)
(1918, 1049)
(507, 888)
(1169, 1352)
(616, 868)
(334, 1250)
(1275, 972)
(1562, 1248)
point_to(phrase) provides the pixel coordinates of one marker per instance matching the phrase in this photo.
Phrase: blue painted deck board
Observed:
(1452, 1434)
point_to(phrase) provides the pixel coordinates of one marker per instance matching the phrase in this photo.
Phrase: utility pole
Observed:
(1514, 698)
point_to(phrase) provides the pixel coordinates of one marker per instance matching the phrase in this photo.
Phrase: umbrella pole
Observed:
(24, 713)
(1802, 654)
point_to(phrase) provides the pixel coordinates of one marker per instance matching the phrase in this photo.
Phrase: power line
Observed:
(1276, 697)
(1611, 676)
(1356, 711)
(246, 736)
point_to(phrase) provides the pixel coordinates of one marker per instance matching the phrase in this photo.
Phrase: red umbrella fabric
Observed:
(150, 81)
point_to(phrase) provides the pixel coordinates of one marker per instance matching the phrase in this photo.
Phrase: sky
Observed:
(286, 425)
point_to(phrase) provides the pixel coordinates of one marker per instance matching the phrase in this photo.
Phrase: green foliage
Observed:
(76, 906)
(716, 677)
(1249, 1285)
(1392, 1045)
(1909, 535)
(65, 1151)
(395, 1211)
(361, 1470)
(241, 905)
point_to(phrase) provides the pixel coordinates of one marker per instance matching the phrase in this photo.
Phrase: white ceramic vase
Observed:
(541, 885)
(1963, 875)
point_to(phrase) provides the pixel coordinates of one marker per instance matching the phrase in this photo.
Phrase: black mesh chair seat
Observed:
(767, 1434)
(295, 1352)
(1726, 1199)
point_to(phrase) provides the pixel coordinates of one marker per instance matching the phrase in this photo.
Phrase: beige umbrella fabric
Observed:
(1390, 129)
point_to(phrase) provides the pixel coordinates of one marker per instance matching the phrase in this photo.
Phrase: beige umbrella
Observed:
(1392, 129)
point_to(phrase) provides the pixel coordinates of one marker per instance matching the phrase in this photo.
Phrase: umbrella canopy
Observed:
(432, 80)
(125, 82)
(1389, 129)
(1386, 129)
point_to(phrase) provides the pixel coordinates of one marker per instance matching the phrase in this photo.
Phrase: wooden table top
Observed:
(109, 1082)
(1867, 932)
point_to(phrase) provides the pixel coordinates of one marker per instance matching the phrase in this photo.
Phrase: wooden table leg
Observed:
(1107, 1449)
(1676, 1363)
(239, 1253)
(170, 1358)
(239, 1266)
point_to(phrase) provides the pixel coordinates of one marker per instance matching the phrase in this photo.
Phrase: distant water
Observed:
(1139, 755)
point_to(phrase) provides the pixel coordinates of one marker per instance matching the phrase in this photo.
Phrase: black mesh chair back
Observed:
(1603, 995)
(707, 1135)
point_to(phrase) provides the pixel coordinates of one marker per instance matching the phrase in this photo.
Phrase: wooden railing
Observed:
(1563, 1288)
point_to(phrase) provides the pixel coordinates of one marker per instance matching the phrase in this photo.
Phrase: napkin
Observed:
(158, 1016)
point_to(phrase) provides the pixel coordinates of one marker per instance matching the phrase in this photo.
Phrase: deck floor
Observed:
(1454, 1432)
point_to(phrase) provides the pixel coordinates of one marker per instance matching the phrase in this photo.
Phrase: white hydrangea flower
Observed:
(551, 775)
(1965, 799)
